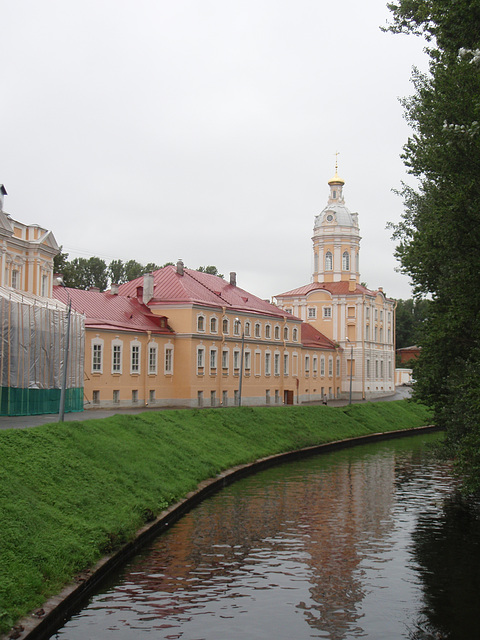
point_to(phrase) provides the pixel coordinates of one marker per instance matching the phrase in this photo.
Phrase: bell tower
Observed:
(336, 239)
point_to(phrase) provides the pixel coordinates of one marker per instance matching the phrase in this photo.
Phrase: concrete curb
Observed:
(41, 624)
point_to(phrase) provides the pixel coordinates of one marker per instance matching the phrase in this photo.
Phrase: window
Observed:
(213, 325)
(367, 312)
(200, 398)
(376, 368)
(312, 313)
(307, 364)
(315, 365)
(268, 363)
(376, 314)
(236, 397)
(295, 334)
(338, 367)
(200, 358)
(276, 364)
(116, 356)
(236, 360)
(116, 396)
(277, 333)
(268, 331)
(315, 262)
(97, 356)
(15, 279)
(248, 360)
(134, 357)
(236, 327)
(213, 360)
(345, 261)
(351, 312)
(44, 286)
(96, 397)
(225, 359)
(213, 399)
(285, 333)
(225, 325)
(327, 312)
(295, 364)
(322, 365)
(381, 334)
(200, 323)
(328, 261)
(168, 360)
(330, 366)
(134, 396)
(289, 310)
(277, 396)
(368, 368)
(225, 398)
(367, 332)
(257, 330)
(151, 396)
(267, 396)
(152, 359)
(247, 328)
(381, 316)
(376, 334)
(285, 364)
(381, 368)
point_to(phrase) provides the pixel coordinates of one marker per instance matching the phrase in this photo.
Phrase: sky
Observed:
(205, 130)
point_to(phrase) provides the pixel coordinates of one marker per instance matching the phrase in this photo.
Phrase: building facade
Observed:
(181, 338)
(26, 254)
(359, 320)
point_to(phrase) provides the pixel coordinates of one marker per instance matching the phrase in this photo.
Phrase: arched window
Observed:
(225, 325)
(328, 261)
(346, 261)
(315, 262)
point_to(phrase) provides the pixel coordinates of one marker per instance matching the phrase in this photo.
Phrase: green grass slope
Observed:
(71, 492)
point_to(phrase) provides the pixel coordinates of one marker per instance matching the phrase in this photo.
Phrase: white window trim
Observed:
(168, 346)
(201, 366)
(135, 343)
(215, 320)
(201, 315)
(213, 356)
(117, 343)
(152, 346)
(98, 342)
(311, 313)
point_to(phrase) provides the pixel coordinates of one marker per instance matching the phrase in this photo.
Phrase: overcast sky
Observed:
(205, 129)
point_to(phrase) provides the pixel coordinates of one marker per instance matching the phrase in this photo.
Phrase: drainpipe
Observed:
(145, 402)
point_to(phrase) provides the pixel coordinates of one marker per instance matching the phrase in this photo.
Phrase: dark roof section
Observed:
(106, 311)
(313, 339)
(195, 287)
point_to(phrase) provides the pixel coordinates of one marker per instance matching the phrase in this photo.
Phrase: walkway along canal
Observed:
(367, 542)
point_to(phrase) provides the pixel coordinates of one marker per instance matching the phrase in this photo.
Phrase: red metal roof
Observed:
(195, 287)
(312, 338)
(335, 288)
(115, 312)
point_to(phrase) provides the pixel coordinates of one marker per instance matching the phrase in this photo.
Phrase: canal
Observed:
(370, 542)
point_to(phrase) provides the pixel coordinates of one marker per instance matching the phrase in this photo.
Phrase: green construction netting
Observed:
(25, 402)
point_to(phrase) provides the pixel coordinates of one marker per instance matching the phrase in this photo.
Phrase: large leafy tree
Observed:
(439, 235)
(409, 317)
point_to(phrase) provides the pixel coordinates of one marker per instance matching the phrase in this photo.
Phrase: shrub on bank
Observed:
(71, 492)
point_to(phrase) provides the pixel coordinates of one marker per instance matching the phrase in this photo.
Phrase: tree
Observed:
(439, 235)
(210, 269)
(409, 317)
(116, 272)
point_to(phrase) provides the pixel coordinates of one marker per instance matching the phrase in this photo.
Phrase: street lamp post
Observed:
(241, 366)
(351, 371)
(63, 389)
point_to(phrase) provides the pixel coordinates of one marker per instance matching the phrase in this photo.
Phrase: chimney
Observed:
(380, 289)
(180, 266)
(114, 289)
(3, 192)
(147, 287)
(233, 278)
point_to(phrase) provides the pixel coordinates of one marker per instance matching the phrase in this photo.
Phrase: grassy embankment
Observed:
(71, 492)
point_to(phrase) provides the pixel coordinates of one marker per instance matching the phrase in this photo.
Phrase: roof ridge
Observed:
(188, 272)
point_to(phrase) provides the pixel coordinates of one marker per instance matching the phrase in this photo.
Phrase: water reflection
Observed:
(332, 547)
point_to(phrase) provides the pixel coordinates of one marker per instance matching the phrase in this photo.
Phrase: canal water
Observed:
(371, 542)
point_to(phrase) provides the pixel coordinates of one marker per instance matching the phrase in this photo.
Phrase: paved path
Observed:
(21, 422)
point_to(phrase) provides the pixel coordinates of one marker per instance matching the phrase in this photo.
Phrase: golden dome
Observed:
(336, 179)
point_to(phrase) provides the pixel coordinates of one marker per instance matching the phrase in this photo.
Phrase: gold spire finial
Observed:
(336, 179)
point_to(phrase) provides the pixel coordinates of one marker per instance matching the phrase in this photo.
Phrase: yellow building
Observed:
(358, 319)
(178, 337)
(26, 254)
